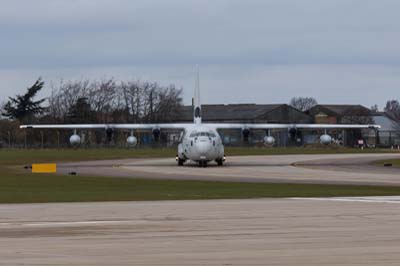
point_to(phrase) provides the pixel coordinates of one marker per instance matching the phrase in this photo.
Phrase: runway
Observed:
(339, 231)
(324, 169)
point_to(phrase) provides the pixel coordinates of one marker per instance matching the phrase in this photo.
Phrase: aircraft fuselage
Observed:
(201, 144)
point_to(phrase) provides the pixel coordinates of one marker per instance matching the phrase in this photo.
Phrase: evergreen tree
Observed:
(23, 107)
(81, 112)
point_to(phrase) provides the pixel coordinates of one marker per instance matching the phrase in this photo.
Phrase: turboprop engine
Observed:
(131, 141)
(156, 134)
(75, 140)
(245, 134)
(325, 139)
(269, 140)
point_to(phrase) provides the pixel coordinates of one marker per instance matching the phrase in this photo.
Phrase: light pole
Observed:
(58, 139)
(42, 138)
(9, 139)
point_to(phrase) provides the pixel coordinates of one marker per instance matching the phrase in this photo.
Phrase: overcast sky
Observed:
(338, 51)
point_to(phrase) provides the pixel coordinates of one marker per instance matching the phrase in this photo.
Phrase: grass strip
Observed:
(32, 188)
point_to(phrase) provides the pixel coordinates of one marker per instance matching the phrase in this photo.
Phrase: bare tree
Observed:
(66, 95)
(374, 108)
(149, 102)
(392, 108)
(102, 98)
(134, 100)
(110, 101)
(169, 104)
(303, 103)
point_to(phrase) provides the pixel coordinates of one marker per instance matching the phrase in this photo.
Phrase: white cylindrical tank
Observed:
(75, 140)
(132, 141)
(269, 140)
(325, 139)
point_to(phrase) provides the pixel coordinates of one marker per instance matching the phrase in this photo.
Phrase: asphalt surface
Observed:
(295, 231)
(324, 169)
(337, 231)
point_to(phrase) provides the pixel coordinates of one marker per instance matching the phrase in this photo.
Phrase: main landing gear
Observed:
(180, 161)
(220, 162)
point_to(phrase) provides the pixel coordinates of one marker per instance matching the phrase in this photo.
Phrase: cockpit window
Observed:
(202, 134)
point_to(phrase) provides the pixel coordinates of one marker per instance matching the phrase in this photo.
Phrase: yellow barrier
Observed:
(44, 168)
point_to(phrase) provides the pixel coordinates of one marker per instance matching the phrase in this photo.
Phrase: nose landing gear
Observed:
(203, 164)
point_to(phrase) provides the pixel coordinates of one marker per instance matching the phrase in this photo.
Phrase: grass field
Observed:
(18, 157)
(53, 188)
(18, 186)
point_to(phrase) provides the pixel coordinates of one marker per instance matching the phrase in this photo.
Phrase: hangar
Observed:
(346, 114)
(283, 113)
(249, 113)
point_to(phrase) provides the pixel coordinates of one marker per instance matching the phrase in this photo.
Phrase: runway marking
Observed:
(379, 199)
(72, 223)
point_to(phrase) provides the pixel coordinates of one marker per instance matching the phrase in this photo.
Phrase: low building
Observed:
(249, 113)
(285, 114)
(340, 114)
(345, 114)
(389, 133)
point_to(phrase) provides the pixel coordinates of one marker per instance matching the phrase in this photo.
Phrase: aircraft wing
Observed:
(187, 125)
(289, 126)
(108, 126)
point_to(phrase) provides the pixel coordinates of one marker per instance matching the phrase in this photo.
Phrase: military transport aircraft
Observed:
(199, 142)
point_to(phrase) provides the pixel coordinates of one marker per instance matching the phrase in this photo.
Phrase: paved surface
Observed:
(332, 168)
(339, 231)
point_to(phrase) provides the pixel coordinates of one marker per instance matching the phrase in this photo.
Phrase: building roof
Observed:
(340, 110)
(385, 121)
(277, 113)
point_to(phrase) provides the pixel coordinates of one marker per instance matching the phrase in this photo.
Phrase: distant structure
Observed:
(283, 113)
(387, 136)
(389, 133)
(340, 114)
(248, 113)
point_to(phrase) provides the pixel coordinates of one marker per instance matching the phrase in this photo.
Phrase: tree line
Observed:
(105, 101)
(86, 101)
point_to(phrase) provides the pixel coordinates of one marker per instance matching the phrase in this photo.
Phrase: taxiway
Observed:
(324, 169)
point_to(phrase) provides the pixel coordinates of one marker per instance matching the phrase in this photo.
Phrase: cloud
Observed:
(282, 41)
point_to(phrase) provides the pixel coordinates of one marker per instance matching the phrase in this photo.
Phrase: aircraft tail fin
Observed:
(196, 99)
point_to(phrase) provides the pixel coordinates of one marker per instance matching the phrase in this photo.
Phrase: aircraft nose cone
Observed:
(203, 147)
